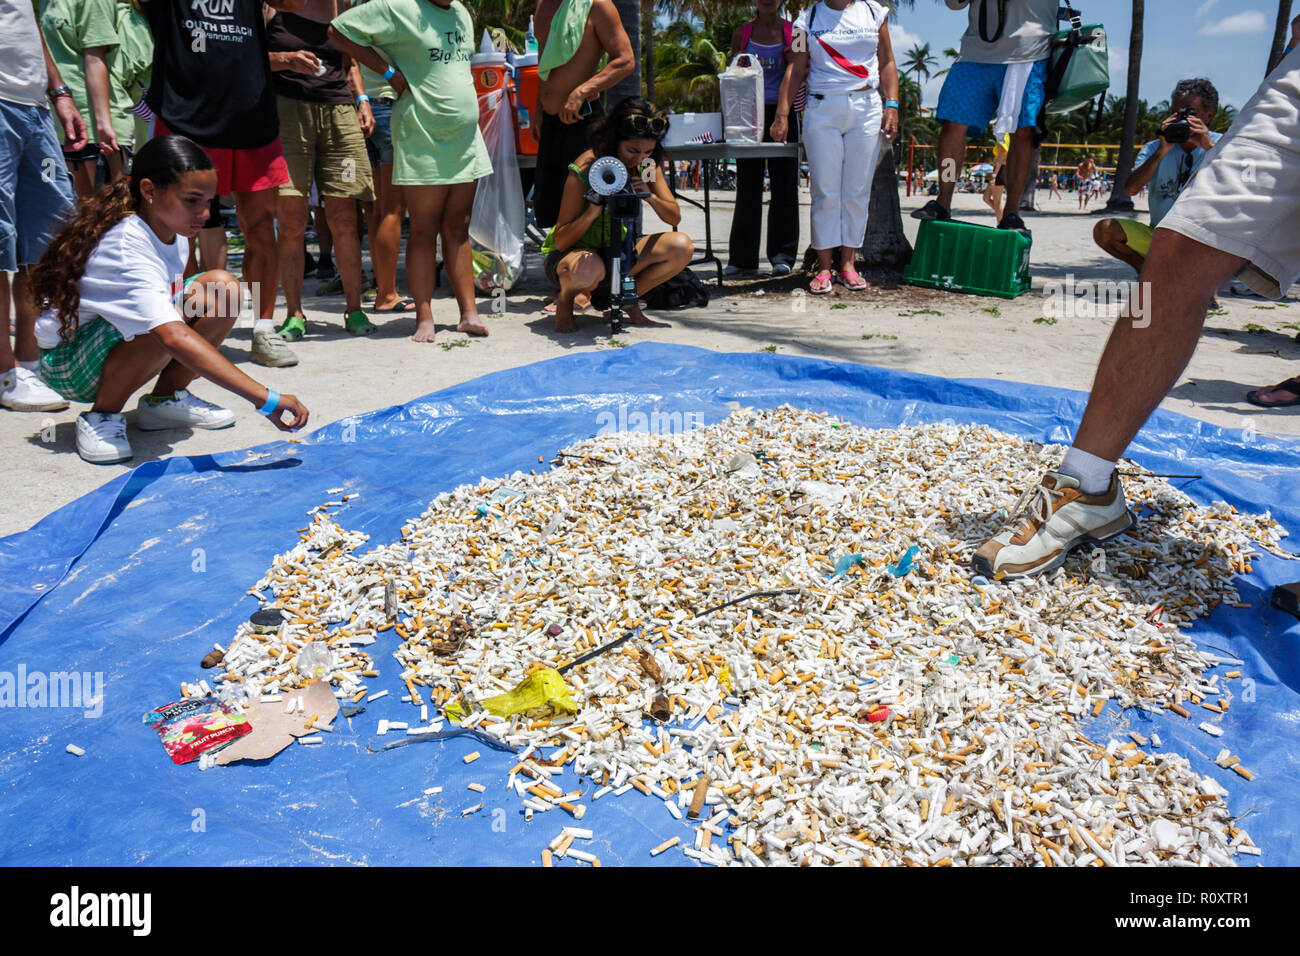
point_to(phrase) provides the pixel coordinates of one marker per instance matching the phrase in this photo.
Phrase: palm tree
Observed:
(686, 67)
(917, 60)
(952, 55)
(1119, 200)
(1280, 31)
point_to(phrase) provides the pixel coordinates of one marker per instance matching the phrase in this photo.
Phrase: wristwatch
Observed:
(58, 91)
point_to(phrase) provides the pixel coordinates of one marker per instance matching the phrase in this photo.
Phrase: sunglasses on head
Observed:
(640, 124)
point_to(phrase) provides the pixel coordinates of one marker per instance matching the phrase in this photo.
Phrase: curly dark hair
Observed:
(606, 133)
(1199, 87)
(54, 279)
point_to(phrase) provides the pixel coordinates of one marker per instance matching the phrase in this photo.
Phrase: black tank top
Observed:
(288, 32)
(211, 78)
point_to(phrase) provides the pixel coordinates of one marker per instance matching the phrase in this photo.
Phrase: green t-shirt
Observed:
(599, 233)
(436, 139)
(71, 27)
(129, 66)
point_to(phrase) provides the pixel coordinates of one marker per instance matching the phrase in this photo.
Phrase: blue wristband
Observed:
(362, 99)
(272, 402)
(889, 103)
(388, 73)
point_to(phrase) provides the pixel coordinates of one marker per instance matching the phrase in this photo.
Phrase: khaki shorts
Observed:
(322, 143)
(1244, 199)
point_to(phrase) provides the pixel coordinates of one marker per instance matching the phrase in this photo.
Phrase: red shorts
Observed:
(243, 170)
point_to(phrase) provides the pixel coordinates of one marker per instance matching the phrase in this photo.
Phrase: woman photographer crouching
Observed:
(574, 248)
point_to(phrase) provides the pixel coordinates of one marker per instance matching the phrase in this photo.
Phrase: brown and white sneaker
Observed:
(1054, 518)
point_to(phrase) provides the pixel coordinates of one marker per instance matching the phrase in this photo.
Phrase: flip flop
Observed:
(1290, 385)
(403, 304)
(816, 287)
(1286, 597)
(854, 284)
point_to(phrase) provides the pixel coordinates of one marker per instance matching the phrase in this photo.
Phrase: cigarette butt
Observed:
(1242, 771)
(566, 840)
(546, 858)
(666, 845)
(471, 757)
(477, 787)
(75, 750)
(1098, 708)
(697, 799)
(576, 809)
(1180, 711)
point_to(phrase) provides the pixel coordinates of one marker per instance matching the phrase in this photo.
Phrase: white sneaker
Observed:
(23, 391)
(182, 410)
(101, 438)
(1048, 522)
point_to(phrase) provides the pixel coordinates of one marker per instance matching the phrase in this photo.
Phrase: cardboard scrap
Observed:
(273, 729)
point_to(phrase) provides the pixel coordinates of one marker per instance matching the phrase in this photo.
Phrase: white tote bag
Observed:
(740, 89)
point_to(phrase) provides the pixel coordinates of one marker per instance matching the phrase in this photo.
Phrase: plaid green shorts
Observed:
(73, 368)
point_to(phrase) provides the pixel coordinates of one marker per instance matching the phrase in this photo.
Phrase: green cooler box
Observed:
(963, 257)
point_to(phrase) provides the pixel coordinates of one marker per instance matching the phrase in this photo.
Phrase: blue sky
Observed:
(1226, 41)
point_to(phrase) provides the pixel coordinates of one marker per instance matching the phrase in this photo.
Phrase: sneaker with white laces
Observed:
(269, 349)
(22, 390)
(101, 438)
(1055, 517)
(182, 410)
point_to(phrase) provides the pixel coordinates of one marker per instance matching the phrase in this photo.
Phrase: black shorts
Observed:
(559, 144)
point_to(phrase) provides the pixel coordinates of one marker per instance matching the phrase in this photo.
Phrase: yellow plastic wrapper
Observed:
(543, 688)
(724, 677)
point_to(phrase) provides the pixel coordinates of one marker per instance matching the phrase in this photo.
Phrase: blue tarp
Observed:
(138, 579)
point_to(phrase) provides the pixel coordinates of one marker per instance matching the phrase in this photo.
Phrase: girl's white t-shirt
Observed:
(133, 279)
(854, 32)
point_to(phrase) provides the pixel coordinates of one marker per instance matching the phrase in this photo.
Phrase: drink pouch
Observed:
(196, 725)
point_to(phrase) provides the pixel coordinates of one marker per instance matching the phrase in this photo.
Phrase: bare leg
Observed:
(848, 255)
(324, 235)
(215, 299)
(1109, 234)
(212, 248)
(386, 236)
(292, 214)
(456, 255)
(659, 258)
(7, 359)
(426, 206)
(1019, 161)
(579, 273)
(1140, 365)
(256, 213)
(952, 150)
(83, 178)
(25, 348)
(341, 214)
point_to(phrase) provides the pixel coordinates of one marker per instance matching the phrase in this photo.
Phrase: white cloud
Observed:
(1248, 21)
(1204, 9)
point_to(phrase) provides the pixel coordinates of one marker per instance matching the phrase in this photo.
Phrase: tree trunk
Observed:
(648, 50)
(1119, 200)
(1280, 34)
(629, 11)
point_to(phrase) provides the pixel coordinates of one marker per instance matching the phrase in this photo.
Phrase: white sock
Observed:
(264, 325)
(31, 366)
(1092, 473)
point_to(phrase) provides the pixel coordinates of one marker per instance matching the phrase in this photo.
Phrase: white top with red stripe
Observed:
(842, 45)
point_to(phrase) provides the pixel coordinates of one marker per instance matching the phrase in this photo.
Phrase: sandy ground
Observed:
(941, 333)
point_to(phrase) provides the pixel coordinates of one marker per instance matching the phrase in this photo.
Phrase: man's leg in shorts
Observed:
(341, 214)
(1144, 358)
(256, 214)
(1020, 161)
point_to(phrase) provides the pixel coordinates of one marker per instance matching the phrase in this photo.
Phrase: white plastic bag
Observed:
(496, 224)
(740, 90)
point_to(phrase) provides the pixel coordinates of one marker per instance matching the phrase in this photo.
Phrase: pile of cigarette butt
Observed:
(860, 698)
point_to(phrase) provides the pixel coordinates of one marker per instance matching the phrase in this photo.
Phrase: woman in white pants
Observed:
(841, 48)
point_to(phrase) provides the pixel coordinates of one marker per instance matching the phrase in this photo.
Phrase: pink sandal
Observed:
(821, 283)
(851, 280)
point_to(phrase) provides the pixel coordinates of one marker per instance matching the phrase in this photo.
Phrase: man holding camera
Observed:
(1166, 165)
